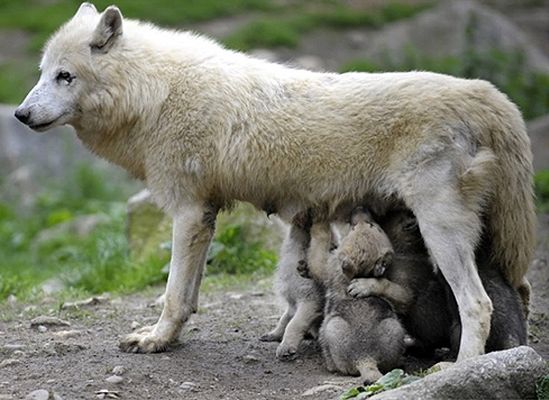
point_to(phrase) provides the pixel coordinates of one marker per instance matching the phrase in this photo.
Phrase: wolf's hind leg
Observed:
(450, 229)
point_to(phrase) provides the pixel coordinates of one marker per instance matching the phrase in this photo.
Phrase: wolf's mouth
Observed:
(44, 126)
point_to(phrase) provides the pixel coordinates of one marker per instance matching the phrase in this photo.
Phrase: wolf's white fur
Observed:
(204, 126)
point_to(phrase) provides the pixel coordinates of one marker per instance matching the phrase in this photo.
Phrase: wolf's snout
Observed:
(23, 115)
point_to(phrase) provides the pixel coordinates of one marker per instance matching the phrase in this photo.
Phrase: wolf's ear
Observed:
(108, 30)
(86, 9)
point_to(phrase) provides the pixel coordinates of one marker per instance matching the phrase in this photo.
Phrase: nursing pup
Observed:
(357, 336)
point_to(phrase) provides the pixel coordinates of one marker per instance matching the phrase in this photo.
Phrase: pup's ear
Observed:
(360, 214)
(86, 9)
(108, 30)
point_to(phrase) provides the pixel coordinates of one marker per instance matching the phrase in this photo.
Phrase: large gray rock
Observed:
(437, 32)
(509, 374)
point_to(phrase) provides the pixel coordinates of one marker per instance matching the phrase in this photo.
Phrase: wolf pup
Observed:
(304, 297)
(423, 300)
(204, 126)
(358, 336)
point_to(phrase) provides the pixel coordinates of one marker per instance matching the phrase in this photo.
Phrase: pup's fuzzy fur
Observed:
(204, 126)
(358, 336)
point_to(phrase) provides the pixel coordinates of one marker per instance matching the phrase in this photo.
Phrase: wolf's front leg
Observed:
(193, 229)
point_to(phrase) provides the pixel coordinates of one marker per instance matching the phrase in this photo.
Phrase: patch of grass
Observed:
(99, 262)
(94, 263)
(235, 252)
(541, 184)
(528, 89)
(285, 29)
(542, 388)
(16, 80)
(44, 17)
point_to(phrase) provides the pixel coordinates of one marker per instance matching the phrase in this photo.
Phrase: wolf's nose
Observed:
(23, 115)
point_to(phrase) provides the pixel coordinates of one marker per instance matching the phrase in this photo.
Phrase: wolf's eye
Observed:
(64, 76)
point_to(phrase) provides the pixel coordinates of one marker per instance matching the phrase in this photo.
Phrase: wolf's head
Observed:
(72, 76)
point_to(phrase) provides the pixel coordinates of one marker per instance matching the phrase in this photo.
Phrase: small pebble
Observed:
(250, 359)
(319, 389)
(67, 334)
(189, 386)
(39, 394)
(119, 370)
(9, 362)
(13, 347)
(42, 329)
(114, 379)
(49, 321)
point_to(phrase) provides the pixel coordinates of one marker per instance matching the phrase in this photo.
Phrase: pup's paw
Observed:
(270, 337)
(286, 353)
(303, 269)
(144, 340)
(362, 287)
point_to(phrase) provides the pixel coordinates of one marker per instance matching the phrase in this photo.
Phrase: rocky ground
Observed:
(220, 355)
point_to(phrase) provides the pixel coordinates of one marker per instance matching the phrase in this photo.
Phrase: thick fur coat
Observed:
(204, 126)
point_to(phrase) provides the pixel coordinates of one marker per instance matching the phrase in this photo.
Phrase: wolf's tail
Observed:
(510, 215)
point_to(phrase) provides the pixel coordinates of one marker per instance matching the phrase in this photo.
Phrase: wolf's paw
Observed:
(144, 341)
(362, 287)
(270, 337)
(303, 269)
(286, 353)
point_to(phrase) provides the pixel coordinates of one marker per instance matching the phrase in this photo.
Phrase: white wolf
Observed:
(204, 126)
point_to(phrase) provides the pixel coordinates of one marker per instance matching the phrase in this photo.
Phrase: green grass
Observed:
(285, 29)
(390, 380)
(542, 388)
(528, 89)
(41, 18)
(541, 183)
(100, 262)
(94, 263)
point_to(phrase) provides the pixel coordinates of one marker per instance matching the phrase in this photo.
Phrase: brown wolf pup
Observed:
(357, 336)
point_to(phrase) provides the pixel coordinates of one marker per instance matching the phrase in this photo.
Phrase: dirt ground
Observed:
(220, 356)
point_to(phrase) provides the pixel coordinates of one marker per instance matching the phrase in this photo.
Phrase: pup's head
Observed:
(72, 69)
(403, 231)
(365, 251)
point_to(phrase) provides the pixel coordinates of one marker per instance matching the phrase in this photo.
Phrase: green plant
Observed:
(390, 380)
(541, 184)
(235, 251)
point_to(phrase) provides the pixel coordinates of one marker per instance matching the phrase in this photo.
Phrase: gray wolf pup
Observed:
(358, 336)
